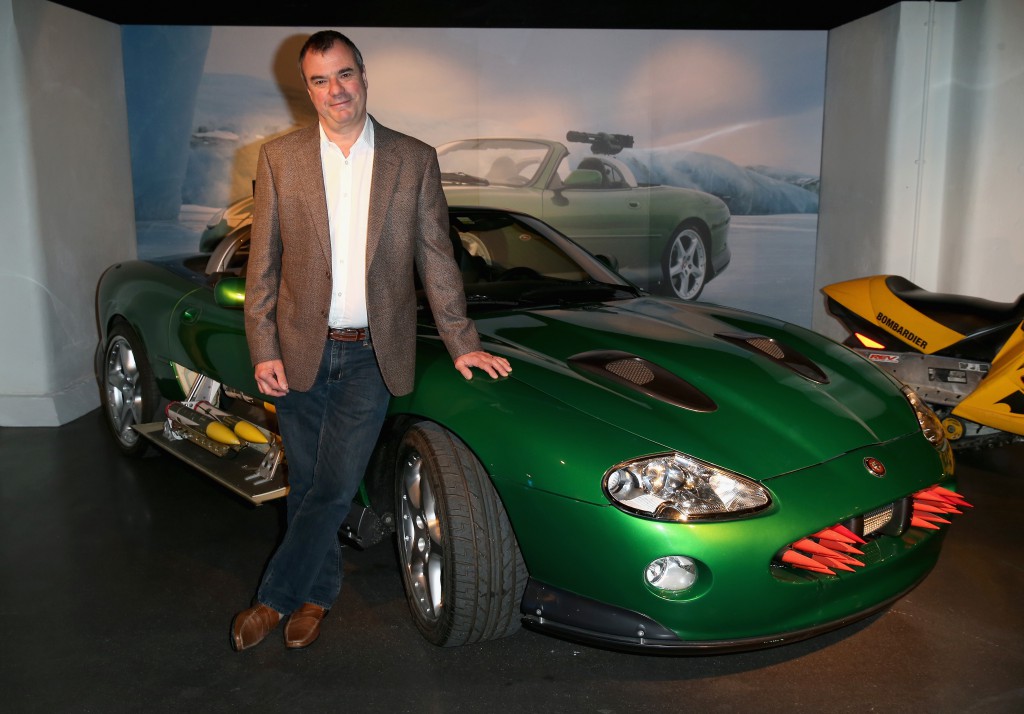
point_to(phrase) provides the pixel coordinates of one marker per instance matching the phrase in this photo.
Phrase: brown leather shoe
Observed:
(303, 626)
(250, 626)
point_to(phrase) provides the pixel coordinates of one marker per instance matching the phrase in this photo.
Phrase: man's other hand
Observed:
(270, 378)
(493, 365)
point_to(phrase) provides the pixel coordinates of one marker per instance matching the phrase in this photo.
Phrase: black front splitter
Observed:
(568, 616)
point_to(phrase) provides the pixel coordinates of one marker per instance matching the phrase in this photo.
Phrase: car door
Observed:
(209, 337)
(610, 218)
(211, 340)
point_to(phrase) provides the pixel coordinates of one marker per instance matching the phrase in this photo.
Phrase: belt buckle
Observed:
(346, 334)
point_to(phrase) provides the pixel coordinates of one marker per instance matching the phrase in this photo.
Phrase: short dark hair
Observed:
(320, 42)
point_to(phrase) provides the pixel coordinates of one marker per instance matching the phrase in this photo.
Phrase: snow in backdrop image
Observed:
(732, 115)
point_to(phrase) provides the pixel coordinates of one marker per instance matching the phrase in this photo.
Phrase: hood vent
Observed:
(778, 352)
(632, 370)
(639, 374)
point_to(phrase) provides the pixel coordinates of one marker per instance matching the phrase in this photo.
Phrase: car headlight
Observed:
(931, 426)
(676, 487)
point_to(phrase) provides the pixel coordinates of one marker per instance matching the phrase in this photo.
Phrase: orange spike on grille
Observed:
(832, 548)
(797, 560)
(846, 548)
(831, 556)
(930, 517)
(833, 536)
(837, 541)
(930, 495)
(931, 508)
(951, 494)
(822, 558)
(942, 495)
(850, 561)
(843, 530)
(809, 546)
(832, 563)
(933, 503)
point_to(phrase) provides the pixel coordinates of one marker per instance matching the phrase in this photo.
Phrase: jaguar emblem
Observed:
(874, 466)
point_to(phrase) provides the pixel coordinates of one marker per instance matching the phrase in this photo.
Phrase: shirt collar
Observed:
(363, 143)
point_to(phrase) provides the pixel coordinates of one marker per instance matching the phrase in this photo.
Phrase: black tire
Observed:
(686, 262)
(128, 388)
(463, 574)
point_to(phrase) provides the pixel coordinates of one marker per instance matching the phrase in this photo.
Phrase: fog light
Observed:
(672, 573)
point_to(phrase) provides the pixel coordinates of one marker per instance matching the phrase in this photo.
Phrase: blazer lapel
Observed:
(310, 169)
(382, 187)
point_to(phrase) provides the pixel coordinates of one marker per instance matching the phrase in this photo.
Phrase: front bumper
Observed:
(744, 597)
(569, 616)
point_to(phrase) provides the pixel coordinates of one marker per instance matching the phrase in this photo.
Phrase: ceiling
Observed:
(610, 14)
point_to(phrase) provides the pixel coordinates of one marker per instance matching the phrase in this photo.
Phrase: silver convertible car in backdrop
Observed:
(667, 239)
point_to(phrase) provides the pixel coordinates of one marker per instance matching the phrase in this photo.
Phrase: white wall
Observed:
(923, 151)
(65, 203)
(983, 217)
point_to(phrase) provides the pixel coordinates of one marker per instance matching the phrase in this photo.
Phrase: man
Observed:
(344, 211)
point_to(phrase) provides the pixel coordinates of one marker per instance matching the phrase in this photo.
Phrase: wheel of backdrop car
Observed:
(684, 263)
(130, 395)
(461, 567)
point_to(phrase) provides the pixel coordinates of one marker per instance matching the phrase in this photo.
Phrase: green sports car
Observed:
(668, 239)
(654, 475)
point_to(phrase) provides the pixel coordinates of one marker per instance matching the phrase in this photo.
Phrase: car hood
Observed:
(746, 392)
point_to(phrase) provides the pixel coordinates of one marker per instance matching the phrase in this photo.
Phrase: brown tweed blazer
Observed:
(288, 279)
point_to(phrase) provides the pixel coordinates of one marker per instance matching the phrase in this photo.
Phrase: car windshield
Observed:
(507, 261)
(513, 261)
(486, 162)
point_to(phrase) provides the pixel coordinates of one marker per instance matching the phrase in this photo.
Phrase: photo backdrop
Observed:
(734, 114)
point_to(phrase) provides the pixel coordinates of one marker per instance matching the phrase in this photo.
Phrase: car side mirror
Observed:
(583, 178)
(230, 293)
(610, 261)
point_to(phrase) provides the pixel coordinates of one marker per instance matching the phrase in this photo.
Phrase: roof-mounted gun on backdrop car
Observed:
(602, 143)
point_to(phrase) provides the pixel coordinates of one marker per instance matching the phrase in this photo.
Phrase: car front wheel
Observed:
(461, 567)
(684, 264)
(129, 394)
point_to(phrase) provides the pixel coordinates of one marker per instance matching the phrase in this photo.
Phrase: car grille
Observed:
(878, 519)
(837, 549)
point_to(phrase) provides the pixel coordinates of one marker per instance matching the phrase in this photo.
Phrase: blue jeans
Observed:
(328, 434)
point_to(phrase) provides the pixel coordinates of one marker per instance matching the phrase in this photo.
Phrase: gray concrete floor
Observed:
(120, 577)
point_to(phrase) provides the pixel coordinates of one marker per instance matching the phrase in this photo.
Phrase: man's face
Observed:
(337, 88)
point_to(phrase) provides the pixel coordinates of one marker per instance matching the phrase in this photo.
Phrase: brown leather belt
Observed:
(347, 334)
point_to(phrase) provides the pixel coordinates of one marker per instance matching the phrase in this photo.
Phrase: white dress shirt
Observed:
(347, 185)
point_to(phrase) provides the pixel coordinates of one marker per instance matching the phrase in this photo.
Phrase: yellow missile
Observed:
(219, 432)
(202, 423)
(243, 429)
(249, 432)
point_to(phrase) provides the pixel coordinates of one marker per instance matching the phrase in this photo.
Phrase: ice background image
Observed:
(774, 208)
